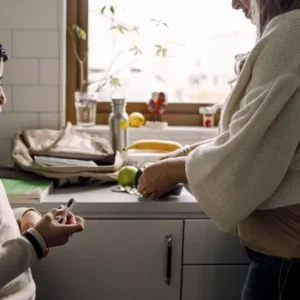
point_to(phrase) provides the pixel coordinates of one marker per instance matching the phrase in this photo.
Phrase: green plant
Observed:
(77, 33)
(80, 34)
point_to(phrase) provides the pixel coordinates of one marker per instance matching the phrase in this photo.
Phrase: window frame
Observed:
(177, 114)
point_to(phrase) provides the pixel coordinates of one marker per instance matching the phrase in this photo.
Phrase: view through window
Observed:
(196, 42)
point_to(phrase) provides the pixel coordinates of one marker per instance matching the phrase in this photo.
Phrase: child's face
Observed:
(2, 95)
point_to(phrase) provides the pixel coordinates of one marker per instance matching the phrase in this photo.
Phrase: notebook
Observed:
(64, 162)
(26, 191)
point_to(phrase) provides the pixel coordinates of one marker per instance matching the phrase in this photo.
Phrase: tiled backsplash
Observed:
(34, 82)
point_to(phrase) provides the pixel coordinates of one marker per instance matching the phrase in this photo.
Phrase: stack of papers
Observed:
(64, 162)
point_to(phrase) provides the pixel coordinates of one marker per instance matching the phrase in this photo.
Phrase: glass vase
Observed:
(86, 109)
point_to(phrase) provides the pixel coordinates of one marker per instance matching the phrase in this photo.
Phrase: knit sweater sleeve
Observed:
(16, 256)
(16, 252)
(241, 169)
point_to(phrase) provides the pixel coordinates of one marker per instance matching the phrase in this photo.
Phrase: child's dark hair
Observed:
(3, 54)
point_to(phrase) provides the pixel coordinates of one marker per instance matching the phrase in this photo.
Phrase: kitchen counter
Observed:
(126, 241)
(102, 202)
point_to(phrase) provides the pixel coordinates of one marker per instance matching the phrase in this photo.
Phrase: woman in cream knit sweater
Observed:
(247, 179)
(22, 246)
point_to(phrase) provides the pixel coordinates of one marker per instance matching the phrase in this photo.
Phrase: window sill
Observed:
(172, 132)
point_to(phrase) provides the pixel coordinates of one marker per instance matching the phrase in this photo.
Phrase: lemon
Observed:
(136, 119)
(127, 175)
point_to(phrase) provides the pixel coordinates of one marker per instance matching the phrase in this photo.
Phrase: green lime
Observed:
(127, 176)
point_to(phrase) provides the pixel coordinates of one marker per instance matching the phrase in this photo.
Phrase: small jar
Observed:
(208, 115)
(86, 109)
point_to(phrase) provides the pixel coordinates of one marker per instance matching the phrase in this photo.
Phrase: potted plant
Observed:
(86, 103)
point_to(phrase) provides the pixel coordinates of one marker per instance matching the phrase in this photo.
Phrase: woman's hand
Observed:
(56, 234)
(161, 177)
(30, 219)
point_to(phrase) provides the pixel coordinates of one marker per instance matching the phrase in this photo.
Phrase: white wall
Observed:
(33, 31)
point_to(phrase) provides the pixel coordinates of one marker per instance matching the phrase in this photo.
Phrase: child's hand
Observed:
(56, 234)
(29, 219)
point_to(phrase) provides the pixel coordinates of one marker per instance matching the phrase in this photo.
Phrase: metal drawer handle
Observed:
(169, 259)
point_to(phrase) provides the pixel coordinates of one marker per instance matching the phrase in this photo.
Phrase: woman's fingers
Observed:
(141, 188)
(154, 196)
(144, 191)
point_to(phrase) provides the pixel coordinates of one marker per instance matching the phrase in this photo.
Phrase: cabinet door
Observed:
(213, 282)
(111, 260)
(205, 244)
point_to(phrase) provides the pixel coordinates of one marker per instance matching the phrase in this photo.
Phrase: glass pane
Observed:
(201, 37)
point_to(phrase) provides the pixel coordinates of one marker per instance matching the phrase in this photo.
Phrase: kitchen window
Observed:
(196, 42)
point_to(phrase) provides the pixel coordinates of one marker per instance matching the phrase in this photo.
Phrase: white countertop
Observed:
(102, 202)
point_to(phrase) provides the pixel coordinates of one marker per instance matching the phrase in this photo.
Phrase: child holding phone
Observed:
(22, 246)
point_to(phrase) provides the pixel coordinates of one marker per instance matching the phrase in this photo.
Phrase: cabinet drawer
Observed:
(204, 243)
(213, 282)
(112, 260)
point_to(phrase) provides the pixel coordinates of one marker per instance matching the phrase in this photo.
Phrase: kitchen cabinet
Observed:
(217, 282)
(215, 264)
(205, 244)
(123, 251)
(115, 259)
